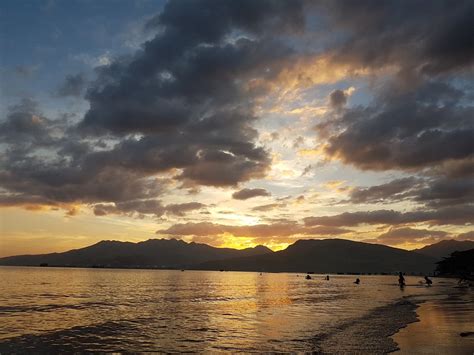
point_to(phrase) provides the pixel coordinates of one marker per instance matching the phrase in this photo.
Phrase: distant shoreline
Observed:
(196, 269)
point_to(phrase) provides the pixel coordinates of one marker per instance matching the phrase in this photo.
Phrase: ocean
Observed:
(87, 310)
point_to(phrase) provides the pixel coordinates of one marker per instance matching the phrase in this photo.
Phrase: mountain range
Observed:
(311, 255)
(445, 248)
(158, 253)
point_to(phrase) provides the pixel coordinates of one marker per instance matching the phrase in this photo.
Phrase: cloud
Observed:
(245, 194)
(338, 99)
(307, 170)
(418, 39)
(278, 229)
(466, 236)
(432, 192)
(447, 192)
(404, 130)
(187, 92)
(399, 236)
(180, 209)
(268, 207)
(394, 190)
(146, 207)
(73, 85)
(420, 109)
(459, 215)
(181, 107)
(326, 230)
(25, 127)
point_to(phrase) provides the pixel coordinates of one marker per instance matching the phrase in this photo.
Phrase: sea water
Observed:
(69, 309)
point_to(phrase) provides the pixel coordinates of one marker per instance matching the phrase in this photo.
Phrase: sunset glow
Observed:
(312, 122)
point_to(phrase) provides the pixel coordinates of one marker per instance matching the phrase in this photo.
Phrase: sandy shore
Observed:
(370, 334)
(441, 322)
(445, 326)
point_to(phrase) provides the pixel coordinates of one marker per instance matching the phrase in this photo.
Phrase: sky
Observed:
(235, 123)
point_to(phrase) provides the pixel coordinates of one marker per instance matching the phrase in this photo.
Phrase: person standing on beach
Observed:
(401, 280)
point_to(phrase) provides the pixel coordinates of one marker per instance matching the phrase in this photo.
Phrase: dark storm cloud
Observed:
(420, 119)
(146, 207)
(458, 215)
(447, 192)
(209, 20)
(391, 191)
(432, 192)
(73, 85)
(42, 164)
(405, 130)
(30, 179)
(25, 127)
(337, 99)
(245, 194)
(428, 39)
(188, 87)
(185, 95)
(456, 169)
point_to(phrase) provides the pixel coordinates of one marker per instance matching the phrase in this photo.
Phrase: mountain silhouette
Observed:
(445, 248)
(160, 253)
(330, 256)
(321, 256)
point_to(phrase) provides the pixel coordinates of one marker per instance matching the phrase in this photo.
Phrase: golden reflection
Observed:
(439, 328)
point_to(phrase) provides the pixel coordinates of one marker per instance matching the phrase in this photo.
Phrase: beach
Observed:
(445, 325)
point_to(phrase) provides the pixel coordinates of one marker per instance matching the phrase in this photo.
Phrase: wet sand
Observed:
(441, 322)
(369, 334)
(445, 326)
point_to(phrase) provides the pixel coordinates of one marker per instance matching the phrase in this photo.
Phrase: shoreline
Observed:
(370, 333)
(446, 325)
(424, 324)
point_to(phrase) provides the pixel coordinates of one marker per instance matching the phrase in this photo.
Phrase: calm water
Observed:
(100, 309)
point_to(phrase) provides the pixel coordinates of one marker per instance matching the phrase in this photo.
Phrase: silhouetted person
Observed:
(308, 277)
(357, 281)
(327, 277)
(428, 281)
(401, 279)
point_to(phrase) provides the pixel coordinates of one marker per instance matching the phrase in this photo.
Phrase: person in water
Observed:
(327, 277)
(308, 277)
(357, 281)
(401, 279)
(428, 282)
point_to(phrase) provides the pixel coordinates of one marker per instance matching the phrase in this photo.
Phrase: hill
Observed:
(445, 248)
(330, 256)
(460, 263)
(324, 256)
(161, 253)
